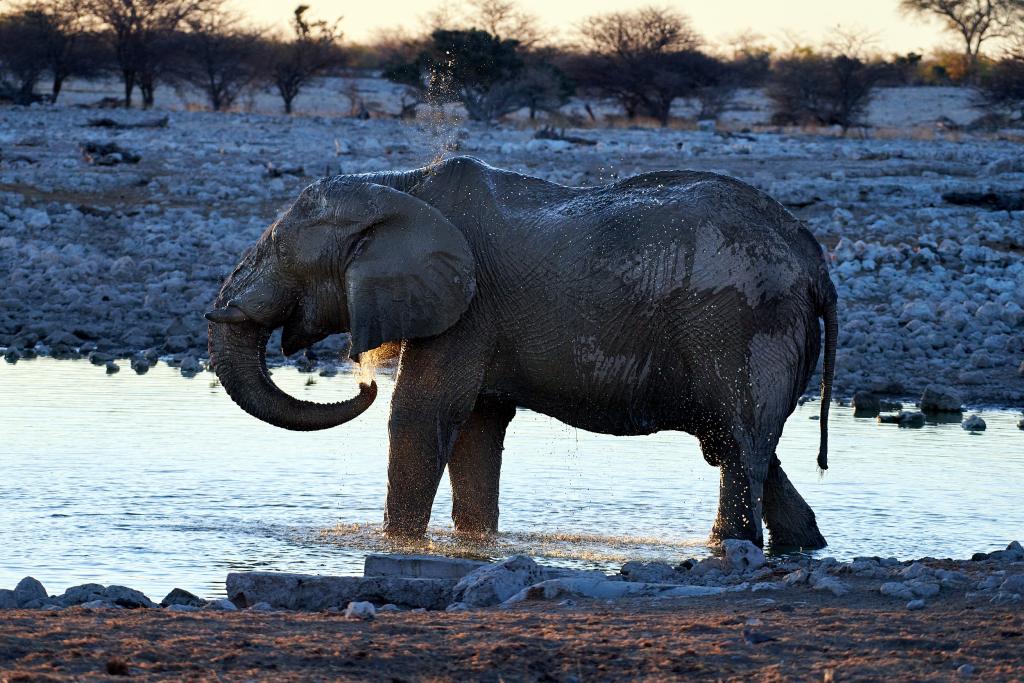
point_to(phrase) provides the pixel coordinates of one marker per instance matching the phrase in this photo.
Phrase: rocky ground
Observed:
(115, 237)
(734, 617)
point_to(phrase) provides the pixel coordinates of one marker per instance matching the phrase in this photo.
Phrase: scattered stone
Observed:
(896, 589)
(112, 367)
(140, 365)
(797, 577)
(127, 597)
(605, 589)
(911, 420)
(361, 610)
(262, 607)
(183, 608)
(78, 595)
(974, 423)
(1005, 598)
(189, 367)
(29, 593)
(179, 596)
(650, 572)
(866, 404)
(389, 608)
(100, 604)
(419, 566)
(1013, 584)
(914, 605)
(221, 605)
(965, 670)
(742, 556)
(495, 583)
(1013, 553)
(940, 399)
(831, 584)
(767, 586)
(319, 593)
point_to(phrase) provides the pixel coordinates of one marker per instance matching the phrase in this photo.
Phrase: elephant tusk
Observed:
(229, 314)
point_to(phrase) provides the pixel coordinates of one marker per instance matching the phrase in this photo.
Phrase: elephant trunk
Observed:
(238, 353)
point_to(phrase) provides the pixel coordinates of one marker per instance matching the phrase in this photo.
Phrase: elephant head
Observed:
(348, 256)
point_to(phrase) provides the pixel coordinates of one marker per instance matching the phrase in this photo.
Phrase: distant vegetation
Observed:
(495, 59)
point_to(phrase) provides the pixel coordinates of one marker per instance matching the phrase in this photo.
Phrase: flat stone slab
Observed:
(317, 593)
(420, 566)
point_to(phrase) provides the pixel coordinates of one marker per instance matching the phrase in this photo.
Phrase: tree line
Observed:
(495, 59)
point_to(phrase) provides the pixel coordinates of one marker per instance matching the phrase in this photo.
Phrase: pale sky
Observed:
(715, 19)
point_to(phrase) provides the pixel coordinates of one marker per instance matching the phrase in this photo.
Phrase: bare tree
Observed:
(137, 29)
(506, 20)
(975, 20)
(645, 59)
(1001, 88)
(312, 48)
(22, 64)
(64, 43)
(218, 56)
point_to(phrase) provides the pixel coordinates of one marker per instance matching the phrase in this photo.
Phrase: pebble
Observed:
(361, 610)
(915, 605)
(221, 605)
(965, 670)
(974, 423)
(29, 593)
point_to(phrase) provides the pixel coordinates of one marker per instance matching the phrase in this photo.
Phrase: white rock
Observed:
(915, 605)
(29, 593)
(603, 589)
(361, 610)
(831, 584)
(419, 566)
(742, 556)
(974, 423)
(221, 605)
(495, 583)
(182, 608)
(896, 589)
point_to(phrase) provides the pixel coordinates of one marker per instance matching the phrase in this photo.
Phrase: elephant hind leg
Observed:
(791, 522)
(742, 472)
(475, 467)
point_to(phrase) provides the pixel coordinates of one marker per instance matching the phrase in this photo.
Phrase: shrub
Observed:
(824, 90)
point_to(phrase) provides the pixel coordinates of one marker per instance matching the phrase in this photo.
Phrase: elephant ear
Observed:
(411, 275)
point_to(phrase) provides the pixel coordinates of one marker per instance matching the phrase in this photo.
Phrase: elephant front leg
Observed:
(790, 519)
(475, 467)
(435, 391)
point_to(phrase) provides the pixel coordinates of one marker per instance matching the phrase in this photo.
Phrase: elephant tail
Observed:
(827, 310)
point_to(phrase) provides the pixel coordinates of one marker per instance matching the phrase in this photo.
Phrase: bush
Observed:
(823, 90)
(1001, 89)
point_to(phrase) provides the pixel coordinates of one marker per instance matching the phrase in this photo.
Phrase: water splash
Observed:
(592, 551)
(439, 121)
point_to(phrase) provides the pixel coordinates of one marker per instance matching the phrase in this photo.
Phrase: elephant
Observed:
(672, 300)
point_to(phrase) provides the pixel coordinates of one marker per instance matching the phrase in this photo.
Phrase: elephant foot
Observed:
(790, 520)
(474, 526)
(402, 528)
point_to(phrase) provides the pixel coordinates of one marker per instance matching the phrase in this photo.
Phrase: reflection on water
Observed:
(158, 481)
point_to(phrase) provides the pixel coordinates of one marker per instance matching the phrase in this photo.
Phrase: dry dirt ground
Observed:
(796, 635)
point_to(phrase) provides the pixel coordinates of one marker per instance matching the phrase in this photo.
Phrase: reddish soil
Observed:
(803, 635)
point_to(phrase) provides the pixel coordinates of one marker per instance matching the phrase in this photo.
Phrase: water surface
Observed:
(157, 481)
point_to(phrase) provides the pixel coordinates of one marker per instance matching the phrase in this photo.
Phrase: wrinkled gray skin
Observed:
(673, 300)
